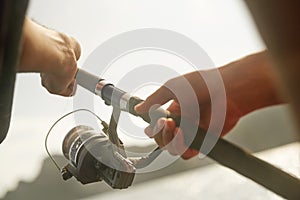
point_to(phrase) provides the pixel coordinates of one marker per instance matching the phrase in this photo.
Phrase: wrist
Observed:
(251, 83)
(32, 48)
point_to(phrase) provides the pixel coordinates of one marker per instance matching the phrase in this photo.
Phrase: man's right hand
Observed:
(250, 84)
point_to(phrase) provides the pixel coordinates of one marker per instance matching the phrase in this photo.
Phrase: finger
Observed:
(177, 145)
(153, 131)
(174, 108)
(74, 88)
(158, 140)
(71, 89)
(157, 132)
(160, 96)
(48, 84)
(180, 146)
(189, 153)
(149, 131)
(168, 135)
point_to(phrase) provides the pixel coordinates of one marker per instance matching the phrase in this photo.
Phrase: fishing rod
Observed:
(224, 152)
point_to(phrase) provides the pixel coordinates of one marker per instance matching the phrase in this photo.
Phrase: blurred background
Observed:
(224, 29)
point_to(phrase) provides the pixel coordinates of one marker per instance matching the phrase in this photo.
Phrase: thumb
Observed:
(159, 97)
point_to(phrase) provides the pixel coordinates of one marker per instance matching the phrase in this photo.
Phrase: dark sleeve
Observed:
(12, 13)
(279, 25)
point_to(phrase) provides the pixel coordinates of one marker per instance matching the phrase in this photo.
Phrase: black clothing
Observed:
(12, 14)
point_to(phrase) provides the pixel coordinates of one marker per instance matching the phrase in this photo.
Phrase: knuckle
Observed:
(73, 47)
(76, 47)
(51, 88)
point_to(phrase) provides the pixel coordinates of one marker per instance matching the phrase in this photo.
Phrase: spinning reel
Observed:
(96, 156)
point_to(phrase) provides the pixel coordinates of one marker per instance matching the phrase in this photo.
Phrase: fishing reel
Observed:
(93, 157)
(99, 155)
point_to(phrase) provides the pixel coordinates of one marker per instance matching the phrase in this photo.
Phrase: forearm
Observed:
(33, 48)
(251, 83)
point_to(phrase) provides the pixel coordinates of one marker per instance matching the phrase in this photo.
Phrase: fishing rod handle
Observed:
(195, 135)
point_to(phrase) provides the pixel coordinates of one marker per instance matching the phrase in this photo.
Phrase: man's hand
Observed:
(165, 130)
(53, 54)
(250, 84)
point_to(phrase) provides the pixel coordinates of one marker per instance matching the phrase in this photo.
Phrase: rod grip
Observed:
(195, 134)
(87, 80)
